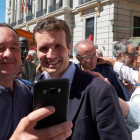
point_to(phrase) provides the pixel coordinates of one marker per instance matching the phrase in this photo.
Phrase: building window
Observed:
(9, 3)
(9, 21)
(89, 27)
(136, 24)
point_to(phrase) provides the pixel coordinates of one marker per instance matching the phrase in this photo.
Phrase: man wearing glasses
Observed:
(86, 54)
(125, 52)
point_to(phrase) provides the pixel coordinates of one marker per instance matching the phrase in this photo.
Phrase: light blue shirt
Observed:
(69, 73)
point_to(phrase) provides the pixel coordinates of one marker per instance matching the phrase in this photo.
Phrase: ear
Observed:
(70, 45)
(119, 55)
(78, 58)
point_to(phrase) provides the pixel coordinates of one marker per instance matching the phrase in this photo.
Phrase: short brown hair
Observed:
(52, 24)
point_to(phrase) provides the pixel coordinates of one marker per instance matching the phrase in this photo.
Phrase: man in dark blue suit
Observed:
(93, 104)
(86, 55)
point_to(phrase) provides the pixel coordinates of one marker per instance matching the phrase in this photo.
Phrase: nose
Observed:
(7, 53)
(50, 53)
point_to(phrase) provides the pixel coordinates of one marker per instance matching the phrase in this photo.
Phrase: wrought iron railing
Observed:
(40, 13)
(20, 21)
(84, 1)
(55, 7)
(30, 17)
(13, 24)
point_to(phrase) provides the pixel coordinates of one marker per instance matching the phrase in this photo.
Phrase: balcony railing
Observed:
(84, 1)
(30, 17)
(40, 13)
(20, 21)
(55, 7)
(13, 24)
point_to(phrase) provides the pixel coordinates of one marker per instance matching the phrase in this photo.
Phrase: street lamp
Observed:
(112, 23)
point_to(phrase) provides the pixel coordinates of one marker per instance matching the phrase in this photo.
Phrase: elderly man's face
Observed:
(130, 56)
(88, 58)
(24, 47)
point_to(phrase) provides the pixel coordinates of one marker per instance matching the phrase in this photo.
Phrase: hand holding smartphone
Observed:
(52, 92)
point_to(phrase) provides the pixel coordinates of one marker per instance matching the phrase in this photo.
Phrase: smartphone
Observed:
(52, 92)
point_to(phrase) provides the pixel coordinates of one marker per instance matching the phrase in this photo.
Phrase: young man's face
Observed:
(10, 56)
(52, 52)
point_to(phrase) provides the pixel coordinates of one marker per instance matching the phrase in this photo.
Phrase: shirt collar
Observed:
(69, 73)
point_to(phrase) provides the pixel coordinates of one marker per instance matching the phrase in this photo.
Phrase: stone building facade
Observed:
(106, 20)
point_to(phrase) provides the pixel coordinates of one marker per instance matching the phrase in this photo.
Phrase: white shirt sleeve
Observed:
(133, 118)
(126, 73)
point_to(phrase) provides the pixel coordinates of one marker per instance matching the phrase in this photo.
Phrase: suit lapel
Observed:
(76, 93)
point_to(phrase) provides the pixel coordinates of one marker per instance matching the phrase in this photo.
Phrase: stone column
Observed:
(44, 4)
(66, 3)
(49, 3)
(19, 10)
(12, 10)
(7, 12)
(37, 5)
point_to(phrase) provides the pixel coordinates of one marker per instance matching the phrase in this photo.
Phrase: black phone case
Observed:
(54, 92)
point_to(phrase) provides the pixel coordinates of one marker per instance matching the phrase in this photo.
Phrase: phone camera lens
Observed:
(44, 91)
(52, 91)
(59, 90)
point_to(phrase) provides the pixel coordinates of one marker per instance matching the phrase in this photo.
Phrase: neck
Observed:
(7, 82)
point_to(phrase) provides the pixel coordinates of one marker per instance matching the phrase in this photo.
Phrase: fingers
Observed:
(59, 131)
(106, 80)
(31, 120)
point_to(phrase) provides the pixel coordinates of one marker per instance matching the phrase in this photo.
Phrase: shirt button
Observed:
(6, 90)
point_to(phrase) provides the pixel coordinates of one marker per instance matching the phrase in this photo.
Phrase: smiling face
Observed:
(52, 52)
(85, 50)
(10, 57)
(127, 59)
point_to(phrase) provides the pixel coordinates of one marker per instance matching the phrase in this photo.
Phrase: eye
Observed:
(87, 57)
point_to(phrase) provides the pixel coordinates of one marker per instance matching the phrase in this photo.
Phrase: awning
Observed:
(23, 33)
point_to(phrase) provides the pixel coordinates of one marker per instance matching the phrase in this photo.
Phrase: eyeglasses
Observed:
(89, 57)
(131, 54)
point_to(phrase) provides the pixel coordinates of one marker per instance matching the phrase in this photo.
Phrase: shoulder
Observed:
(31, 64)
(22, 84)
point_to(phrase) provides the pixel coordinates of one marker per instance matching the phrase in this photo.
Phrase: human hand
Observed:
(128, 86)
(104, 60)
(29, 58)
(97, 74)
(25, 130)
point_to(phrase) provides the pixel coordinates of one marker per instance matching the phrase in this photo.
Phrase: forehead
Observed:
(50, 36)
(8, 35)
(131, 48)
(86, 48)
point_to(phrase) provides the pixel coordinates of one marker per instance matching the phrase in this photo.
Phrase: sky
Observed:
(2, 10)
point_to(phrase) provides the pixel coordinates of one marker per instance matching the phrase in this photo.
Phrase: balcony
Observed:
(30, 17)
(84, 1)
(40, 13)
(55, 7)
(13, 24)
(20, 21)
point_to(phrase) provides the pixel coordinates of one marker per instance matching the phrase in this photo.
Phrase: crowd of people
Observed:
(104, 100)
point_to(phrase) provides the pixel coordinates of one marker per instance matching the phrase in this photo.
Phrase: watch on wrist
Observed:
(138, 84)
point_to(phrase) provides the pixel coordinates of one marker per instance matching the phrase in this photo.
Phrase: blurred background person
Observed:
(99, 53)
(125, 52)
(29, 72)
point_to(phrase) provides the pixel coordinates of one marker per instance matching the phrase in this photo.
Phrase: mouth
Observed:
(7, 63)
(53, 63)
